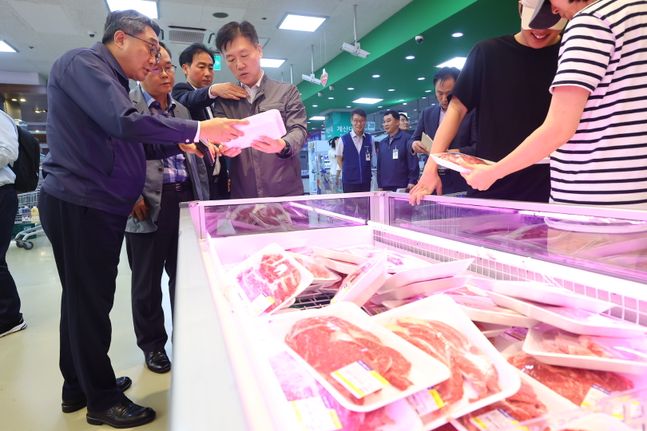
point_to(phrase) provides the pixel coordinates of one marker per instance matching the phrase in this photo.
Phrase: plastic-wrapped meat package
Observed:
(323, 277)
(558, 341)
(458, 161)
(329, 343)
(571, 383)
(522, 406)
(258, 217)
(470, 368)
(270, 279)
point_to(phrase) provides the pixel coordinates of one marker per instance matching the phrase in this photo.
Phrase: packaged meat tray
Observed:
(458, 162)
(572, 320)
(581, 387)
(419, 290)
(359, 286)
(395, 261)
(316, 410)
(549, 295)
(322, 276)
(337, 265)
(268, 123)
(574, 421)
(340, 255)
(531, 402)
(556, 347)
(268, 280)
(479, 307)
(480, 375)
(360, 363)
(429, 272)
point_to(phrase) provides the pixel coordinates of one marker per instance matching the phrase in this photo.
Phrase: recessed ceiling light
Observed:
(367, 100)
(391, 89)
(380, 106)
(424, 97)
(410, 57)
(272, 63)
(146, 7)
(5, 47)
(427, 91)
(375, 76)
(348, 106)
(457, 62)
(421, 78)
(23, 100)
(301, 22)
(457, 34)
(14, 100)
(317, 118)
(405, 103)
(350, 88)
(315, 106)
(331, 98)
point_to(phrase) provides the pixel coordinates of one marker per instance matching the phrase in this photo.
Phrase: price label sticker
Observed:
(262, 303)
(359, 379)
(427, 401)
(593, 397)
(496, 420)
(313, 414)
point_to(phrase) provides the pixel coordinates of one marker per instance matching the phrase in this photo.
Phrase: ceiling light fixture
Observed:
(354, 48)
(301, 22)
(410, 57)
(457, 62)
(146, 7)
(391, 89)
(367, 100)
(5, 47)
(421, 78)
(350, 88)
(457, 34)
(317, 118)
(331, 98)
(427, 91)
(14, 99)
(272, 63)
(315, 106)
(23, 100)
(375, 76)
(348, 106)
(379, 107)
(405, 103)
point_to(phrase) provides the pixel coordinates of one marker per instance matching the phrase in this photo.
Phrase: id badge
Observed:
(395, 154)
(368, 156)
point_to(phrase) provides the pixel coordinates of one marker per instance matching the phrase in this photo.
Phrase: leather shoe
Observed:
(70, 406)
(124, 414)
(158, 362)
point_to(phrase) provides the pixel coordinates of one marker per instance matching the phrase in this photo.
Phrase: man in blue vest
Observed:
(354, 150)
(397, 167)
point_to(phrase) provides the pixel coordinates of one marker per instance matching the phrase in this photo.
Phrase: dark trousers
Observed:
(149, 254)
(9, 299)
(355, 188)
(86, 244)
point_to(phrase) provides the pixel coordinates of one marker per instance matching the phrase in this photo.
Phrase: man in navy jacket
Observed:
(397, 167)
(355, 150)
(93, 175)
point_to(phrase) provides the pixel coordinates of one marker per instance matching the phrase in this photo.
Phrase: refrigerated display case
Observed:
(222, 374)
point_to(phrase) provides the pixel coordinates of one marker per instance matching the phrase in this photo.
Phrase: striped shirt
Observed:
(604, 50)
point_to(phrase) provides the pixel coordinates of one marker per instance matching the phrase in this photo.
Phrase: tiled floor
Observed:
(30, 382)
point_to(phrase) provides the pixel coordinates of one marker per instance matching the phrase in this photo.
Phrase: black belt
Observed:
(177, 187)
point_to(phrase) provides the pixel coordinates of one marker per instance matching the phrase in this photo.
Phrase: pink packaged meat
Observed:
(360, 285)
(270, 279)
(323, 277)
(458, 161)
(573, 384)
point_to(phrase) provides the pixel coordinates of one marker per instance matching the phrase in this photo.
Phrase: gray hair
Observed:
(128, 21)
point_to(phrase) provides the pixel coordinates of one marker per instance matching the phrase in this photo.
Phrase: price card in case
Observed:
(359, 379)
(593, 397)
(313, 415)
(495, 420)
(427, 401)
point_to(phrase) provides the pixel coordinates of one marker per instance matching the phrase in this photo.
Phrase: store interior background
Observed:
(42, 30)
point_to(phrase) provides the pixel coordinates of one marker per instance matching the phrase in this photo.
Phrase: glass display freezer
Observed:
(221, 373)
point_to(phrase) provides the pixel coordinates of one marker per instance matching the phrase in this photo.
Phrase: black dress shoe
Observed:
(124, 414)
(158, 362)
(70, 406)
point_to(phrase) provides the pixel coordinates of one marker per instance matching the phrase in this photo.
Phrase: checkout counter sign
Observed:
(217, 62)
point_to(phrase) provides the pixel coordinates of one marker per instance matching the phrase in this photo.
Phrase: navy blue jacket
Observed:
(94, 132)
(465, 141)
(400, 171)
(356, 167)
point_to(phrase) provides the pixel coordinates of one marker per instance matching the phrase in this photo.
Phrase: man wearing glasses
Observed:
(152, 228)
(93, 175)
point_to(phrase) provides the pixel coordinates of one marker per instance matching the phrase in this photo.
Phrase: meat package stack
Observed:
(404, 345)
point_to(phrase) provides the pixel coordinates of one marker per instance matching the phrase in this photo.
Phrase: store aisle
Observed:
(30, 382)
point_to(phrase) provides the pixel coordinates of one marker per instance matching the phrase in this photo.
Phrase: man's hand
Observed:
(193, 149)
(220, 129)
(228, 90)
(481, 177)
(230, 151)
(268, 145)
(140, 210)
(418, 148)
(428, 183)
(409, 187)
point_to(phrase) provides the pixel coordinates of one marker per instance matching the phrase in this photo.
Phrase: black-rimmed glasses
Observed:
(153, 48)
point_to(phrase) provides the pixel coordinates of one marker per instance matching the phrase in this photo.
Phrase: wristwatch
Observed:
(286, 151)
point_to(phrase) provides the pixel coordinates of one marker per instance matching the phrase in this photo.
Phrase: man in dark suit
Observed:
(198, 93)
(430, 119)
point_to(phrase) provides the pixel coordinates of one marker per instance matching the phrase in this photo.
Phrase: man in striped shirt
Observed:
(596, 127)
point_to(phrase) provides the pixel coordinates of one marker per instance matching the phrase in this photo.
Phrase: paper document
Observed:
(268, 123)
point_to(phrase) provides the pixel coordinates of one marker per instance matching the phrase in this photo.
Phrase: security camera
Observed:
(91, 34)
(419, 39)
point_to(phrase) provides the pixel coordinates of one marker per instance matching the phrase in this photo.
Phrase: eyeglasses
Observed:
(171, 68)
(153, 49)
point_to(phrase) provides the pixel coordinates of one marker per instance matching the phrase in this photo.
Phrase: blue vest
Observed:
(356, 167)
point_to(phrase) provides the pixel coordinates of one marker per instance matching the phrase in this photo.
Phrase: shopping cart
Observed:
(27, 227)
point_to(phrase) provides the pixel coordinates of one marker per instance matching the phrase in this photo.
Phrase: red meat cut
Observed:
(329, 343)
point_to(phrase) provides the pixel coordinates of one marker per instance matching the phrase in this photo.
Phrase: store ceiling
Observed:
(44, 29)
